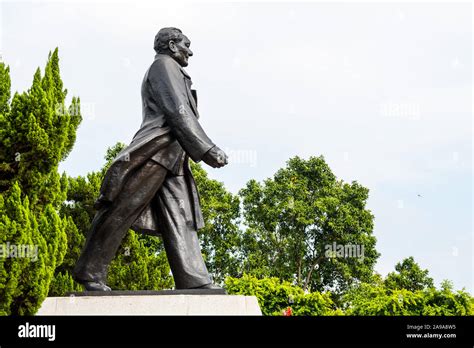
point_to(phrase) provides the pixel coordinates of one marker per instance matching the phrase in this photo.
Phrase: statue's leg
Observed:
(177, 227)
(111, 223)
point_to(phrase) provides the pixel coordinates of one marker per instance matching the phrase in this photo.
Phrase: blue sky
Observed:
(382, 90)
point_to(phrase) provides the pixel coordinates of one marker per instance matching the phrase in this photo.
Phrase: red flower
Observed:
(288, 312)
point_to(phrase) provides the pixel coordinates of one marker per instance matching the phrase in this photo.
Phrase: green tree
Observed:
(25, 277)
(37, 132)
(409, 292)
(221, 237)
(294, 217)
(408, 275)
(5, 90)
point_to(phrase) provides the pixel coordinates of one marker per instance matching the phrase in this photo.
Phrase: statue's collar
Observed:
(184, 72)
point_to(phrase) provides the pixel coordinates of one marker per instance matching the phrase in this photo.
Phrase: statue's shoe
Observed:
(96, 286)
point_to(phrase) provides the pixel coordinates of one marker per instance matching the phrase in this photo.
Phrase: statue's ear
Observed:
(172, 46)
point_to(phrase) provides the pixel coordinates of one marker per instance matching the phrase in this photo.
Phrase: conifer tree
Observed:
(37, 132)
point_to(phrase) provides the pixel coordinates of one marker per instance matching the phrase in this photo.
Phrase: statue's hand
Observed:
(215, 157)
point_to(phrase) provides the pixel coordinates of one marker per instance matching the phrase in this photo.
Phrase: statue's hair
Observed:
(164, 36)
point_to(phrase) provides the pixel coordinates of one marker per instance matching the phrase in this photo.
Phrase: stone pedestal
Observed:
(168, 302)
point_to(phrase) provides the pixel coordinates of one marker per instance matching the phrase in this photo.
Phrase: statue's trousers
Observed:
(151, 185)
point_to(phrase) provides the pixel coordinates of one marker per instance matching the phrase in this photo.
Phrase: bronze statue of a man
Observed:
(149, 187)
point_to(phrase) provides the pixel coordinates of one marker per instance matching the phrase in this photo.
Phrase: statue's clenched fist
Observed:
(215, 157)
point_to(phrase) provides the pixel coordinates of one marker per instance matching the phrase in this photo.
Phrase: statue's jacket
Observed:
(170, 133)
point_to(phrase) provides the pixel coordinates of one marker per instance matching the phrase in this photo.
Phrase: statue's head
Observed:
(173, 42)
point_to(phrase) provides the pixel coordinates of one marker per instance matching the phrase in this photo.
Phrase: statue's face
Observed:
(180, 51)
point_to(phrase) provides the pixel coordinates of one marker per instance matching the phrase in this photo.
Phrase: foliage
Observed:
(275, 296)
(418, 297)
(220, 237)
(25, 276)
(62, 283)
(37, 132)
(295, 216)
(368, 299)
(137, 267)
(375, 297)
(35, 125)
(408, 276)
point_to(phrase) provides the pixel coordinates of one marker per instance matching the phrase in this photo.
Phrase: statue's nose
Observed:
(190, 53)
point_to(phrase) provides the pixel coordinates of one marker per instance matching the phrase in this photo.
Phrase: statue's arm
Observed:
(169, 90)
